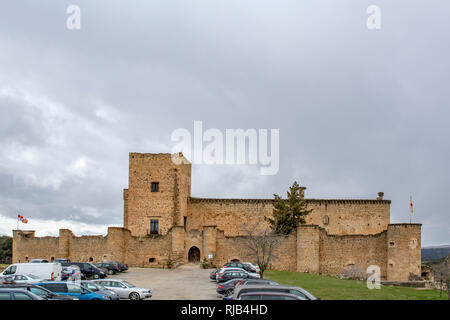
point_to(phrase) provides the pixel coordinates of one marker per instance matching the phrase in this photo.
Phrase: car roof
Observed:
(274, 288)
(12, 289)
(265, 293)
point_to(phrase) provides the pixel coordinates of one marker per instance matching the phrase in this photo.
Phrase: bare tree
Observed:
(442, 275)
(260, 246)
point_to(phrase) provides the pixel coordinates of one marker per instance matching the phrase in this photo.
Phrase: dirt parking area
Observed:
(187, 282)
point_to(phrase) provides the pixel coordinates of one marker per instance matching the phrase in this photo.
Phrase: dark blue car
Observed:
(73, 289)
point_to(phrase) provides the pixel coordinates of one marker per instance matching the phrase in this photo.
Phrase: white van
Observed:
(47, 271)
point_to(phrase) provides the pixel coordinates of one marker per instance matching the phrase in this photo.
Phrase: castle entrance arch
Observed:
(194, 254)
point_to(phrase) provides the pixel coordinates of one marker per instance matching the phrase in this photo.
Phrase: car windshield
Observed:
(129, 285)
(32, 276)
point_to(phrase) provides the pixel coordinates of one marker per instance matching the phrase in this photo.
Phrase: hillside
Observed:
(434, 253)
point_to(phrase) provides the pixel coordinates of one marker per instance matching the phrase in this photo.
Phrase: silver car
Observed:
(26, 278)
(300, 292)
(125, 290)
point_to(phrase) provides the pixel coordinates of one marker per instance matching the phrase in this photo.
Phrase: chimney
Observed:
(380, 195)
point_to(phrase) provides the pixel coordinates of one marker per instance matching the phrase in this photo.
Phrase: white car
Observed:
(124, 289)
(46, 271)
(253, 266)
(26, 278)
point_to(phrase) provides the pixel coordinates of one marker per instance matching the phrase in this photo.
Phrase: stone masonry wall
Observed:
(344, 216)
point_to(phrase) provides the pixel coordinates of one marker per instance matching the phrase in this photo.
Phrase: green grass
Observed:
(326, 287)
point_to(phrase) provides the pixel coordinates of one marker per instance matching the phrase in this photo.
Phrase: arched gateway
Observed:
(194, 254)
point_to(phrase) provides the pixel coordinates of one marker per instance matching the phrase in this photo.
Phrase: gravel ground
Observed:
(187, 282)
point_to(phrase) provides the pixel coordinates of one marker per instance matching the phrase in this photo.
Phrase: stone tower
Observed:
(158, 190)
(403, 251)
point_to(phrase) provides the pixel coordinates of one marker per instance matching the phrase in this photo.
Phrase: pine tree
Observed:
(290, 213)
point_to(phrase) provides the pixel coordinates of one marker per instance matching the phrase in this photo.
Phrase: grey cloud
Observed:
(359, 111)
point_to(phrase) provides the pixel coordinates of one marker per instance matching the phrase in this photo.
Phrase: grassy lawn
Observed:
(326, 287)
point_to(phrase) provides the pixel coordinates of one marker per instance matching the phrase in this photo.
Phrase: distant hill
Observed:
(435, 253)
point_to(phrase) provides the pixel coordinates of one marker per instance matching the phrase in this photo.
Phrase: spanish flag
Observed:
(411, 204)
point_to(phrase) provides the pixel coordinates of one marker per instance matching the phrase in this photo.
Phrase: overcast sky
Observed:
(359, 111)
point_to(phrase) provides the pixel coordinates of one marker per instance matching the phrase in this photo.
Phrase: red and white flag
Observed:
(21, 218)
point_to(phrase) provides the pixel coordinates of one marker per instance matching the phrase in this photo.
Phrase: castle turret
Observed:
(403, 253)
(158, 189)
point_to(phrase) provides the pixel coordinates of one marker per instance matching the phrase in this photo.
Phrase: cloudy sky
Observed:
(359, 111)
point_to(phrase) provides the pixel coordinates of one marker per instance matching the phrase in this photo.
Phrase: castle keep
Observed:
(162, 220)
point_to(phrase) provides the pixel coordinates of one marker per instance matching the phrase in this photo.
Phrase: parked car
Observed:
(122, 267)
(225, 269)
(38, 261)
(72, 272)
(125, 290)
(302, 293)
(246, 267)
(17, 294)
(227, 288)
(73, 289)
(96, 287)
(87, 269)
(213, 275)
(61, 260)
(269, 296)
(47, 271)
(39, 291)
(6, 280)
(112, 268)
(257, 282)
(228, 275)
(252, 266)
(26, 278)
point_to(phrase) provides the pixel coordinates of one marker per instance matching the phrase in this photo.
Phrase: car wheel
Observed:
(96, 276)
(229, 292)
(134, 296)
(110, 272)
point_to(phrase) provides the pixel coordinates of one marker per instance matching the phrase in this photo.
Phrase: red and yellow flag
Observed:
(411, 204)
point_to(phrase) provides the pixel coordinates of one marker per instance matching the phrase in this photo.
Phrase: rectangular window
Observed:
(155, 186)
(154, 227)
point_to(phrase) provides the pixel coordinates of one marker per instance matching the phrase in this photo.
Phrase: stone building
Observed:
(162, 220)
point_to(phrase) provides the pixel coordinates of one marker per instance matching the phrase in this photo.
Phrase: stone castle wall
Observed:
(308, 249)
(335, 216)
(337, 234)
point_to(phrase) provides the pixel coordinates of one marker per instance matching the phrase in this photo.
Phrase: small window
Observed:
(326, 220)
(151, 260)
(154, 227)
(155, 186)
(391, 243)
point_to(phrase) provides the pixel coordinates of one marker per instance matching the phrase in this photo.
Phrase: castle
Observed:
(162, 221)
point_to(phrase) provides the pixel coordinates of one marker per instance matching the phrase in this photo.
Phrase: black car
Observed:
(87, 269)
(122, 266)
(246, 267)
(228, 275)
(213, 274)
(227, 288)
(38, 290)
(112, 268)
(17, 294)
